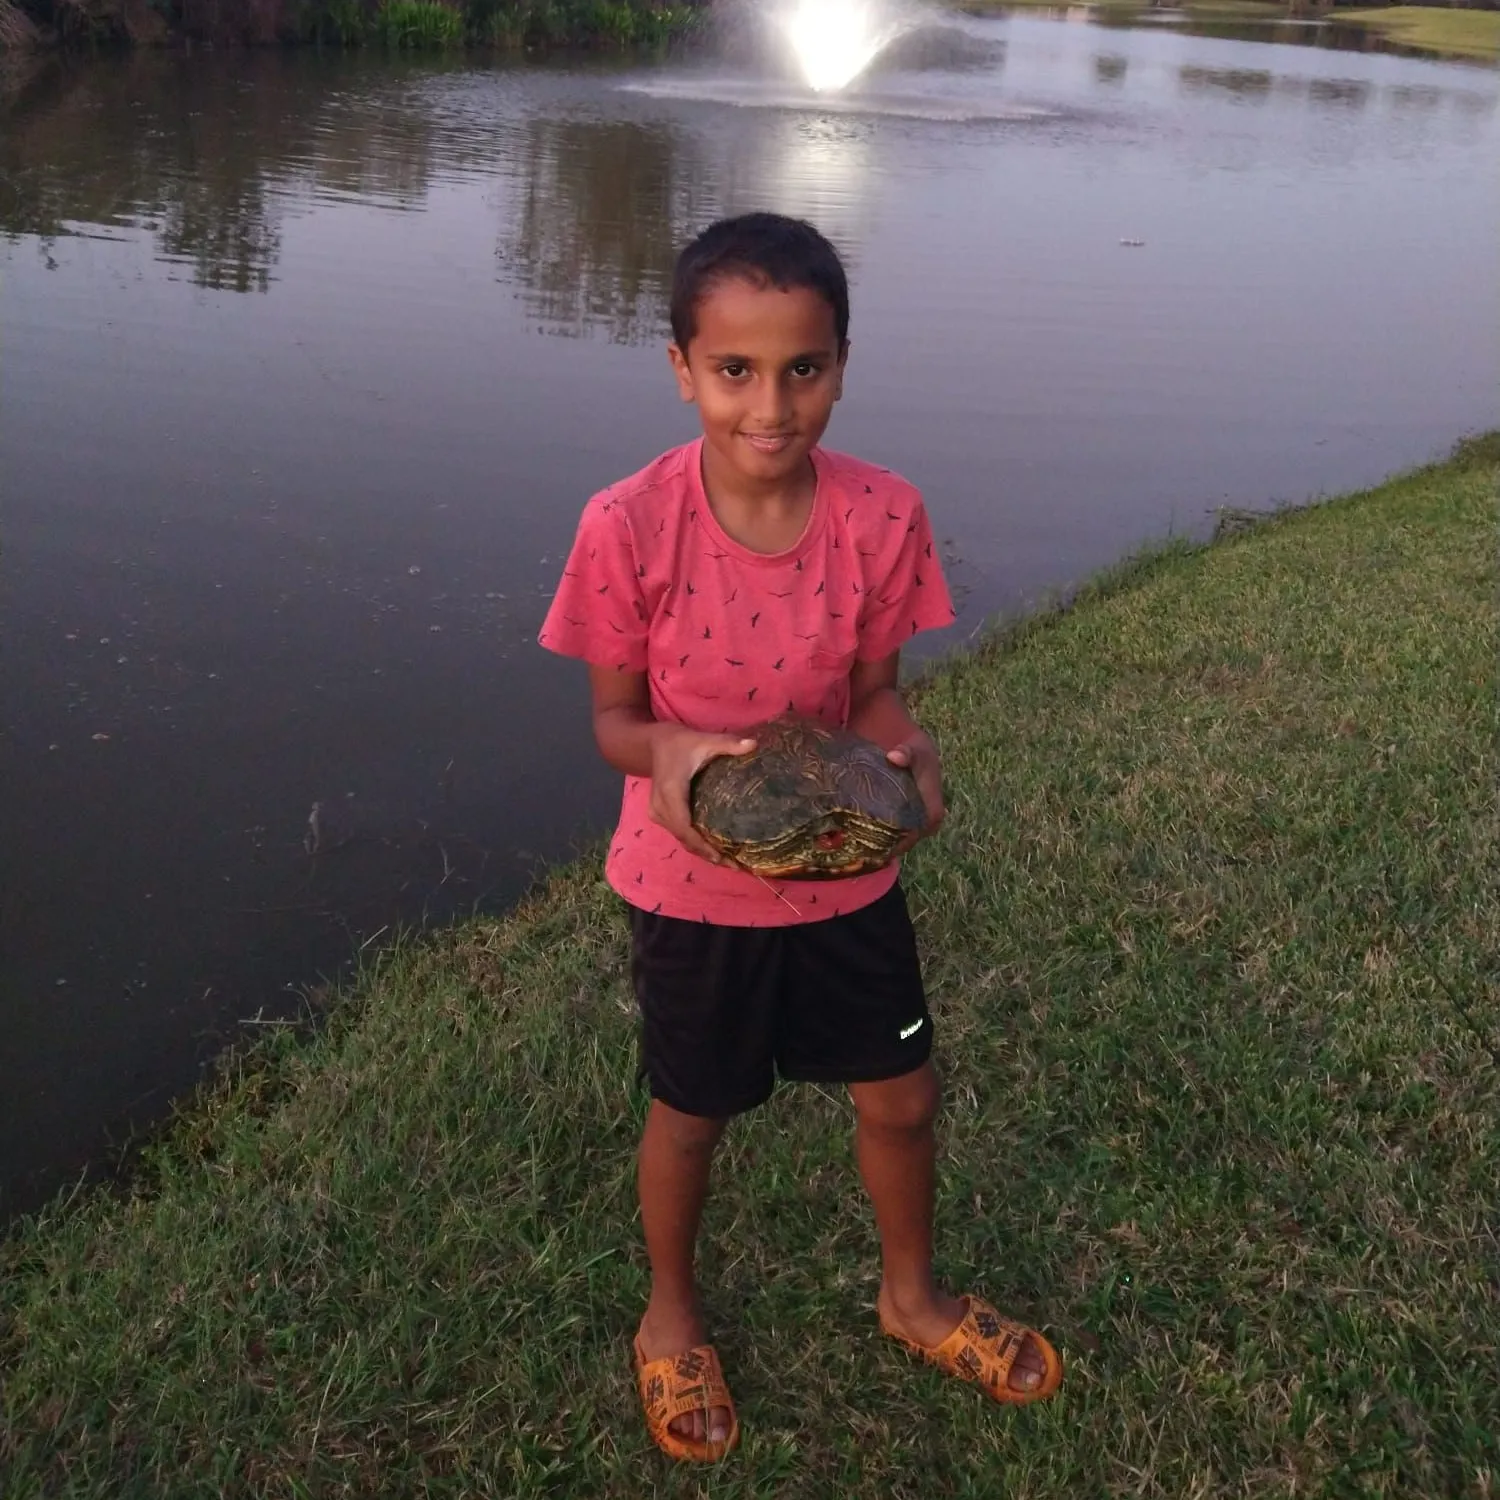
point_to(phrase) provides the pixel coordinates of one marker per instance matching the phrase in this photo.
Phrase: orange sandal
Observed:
(983, 1348)
(676, 1385)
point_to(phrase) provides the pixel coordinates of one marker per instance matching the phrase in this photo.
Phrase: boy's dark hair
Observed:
(763, 248)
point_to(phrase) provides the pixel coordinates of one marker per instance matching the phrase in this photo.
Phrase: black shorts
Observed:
(725, 1009)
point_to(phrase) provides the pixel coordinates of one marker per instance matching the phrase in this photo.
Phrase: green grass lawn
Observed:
(1211, 940)
(1458, 33)
(1443, 30)
(1239, 10)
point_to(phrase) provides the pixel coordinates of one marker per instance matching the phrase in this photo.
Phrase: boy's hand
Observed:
(918, 753)
(677, 755)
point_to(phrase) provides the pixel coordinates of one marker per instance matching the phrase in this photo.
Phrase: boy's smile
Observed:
(764, 367)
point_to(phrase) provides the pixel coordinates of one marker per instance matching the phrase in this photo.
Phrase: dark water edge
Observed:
(300, 1011)
(335, 998)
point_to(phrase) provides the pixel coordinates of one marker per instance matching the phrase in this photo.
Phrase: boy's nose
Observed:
(773, 407)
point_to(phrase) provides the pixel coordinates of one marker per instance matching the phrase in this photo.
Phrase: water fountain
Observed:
(833, 41)
(820, 58)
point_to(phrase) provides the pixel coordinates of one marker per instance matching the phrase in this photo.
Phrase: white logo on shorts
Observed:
(911, 1030)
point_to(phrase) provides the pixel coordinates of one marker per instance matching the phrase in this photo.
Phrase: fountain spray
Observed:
(834, 41)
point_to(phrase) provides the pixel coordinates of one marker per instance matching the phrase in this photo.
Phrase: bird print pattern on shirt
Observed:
(726, 637)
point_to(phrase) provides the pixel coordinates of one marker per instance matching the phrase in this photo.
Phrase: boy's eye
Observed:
(733, 370)
(804, 369)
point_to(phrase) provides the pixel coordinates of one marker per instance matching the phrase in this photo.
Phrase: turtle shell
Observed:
(808, 802)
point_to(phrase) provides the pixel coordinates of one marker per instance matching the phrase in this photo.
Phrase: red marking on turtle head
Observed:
(833, 839)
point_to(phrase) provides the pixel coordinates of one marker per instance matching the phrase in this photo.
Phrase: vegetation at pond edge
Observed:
(1453, 32)
(1210, 936)
(349, 23)
(1469, 28)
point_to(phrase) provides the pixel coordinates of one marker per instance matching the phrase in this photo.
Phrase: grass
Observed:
(1455, 33)
(418, 25)
(617, 23)
(1447, 31)
(1211, 942)
(1236, 10)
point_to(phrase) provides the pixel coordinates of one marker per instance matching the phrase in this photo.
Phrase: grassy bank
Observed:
(1225, 10)
(1456, 33)
(1211, 940)
(1442, 30)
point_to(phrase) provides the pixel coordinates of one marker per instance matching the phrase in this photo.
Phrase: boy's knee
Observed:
(686, 1133)
(901, 1105)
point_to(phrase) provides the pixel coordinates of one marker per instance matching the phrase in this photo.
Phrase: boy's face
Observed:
(764, 367)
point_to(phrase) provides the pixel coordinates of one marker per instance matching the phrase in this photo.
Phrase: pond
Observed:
(310, 361)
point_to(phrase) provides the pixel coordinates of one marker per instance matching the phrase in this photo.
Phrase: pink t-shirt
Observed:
(731, 637)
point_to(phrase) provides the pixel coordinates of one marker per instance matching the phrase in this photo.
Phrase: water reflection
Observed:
(598, 209)
(592, 207)
(1349, 93)
(1474, 105)
(229, 240)
(1414, 97)
(148, 144)
(818, 167)
(1243, 83)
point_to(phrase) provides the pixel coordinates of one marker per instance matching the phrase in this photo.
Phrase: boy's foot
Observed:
(968, 1338)
(668, 1335)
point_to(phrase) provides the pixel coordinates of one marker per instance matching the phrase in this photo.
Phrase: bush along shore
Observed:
(401, 24)
(1211, 939)
(1469, 30)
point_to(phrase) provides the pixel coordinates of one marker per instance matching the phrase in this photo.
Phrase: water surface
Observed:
(308, 363)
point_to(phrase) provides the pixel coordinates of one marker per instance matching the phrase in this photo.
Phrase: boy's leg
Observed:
(676, 1154)
(897, 1152)
(706, 995)
(859, 1014)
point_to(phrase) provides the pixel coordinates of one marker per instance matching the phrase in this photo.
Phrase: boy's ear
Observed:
(838, 389)
(681, 371)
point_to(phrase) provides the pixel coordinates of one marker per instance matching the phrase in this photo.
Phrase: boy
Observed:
(746, 574)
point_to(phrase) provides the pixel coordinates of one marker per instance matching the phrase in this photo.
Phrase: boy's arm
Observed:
(879, 713)
(633, 740)
(624, 726)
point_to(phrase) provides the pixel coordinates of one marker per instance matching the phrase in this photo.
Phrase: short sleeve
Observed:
(905, 590)
(598, 612)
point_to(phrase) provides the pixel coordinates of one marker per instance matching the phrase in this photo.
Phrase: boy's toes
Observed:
(690, 1425)
(674, 1391)
(1010, 1361)
(1027, 1372)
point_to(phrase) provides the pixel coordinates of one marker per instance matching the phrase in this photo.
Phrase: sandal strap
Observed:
(983, 1349)
(984, 1346)
(681, 1383)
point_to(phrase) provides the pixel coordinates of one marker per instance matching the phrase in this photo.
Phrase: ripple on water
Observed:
(772, 94)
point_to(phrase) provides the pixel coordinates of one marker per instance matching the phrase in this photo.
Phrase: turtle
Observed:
(809, 802)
